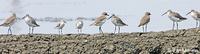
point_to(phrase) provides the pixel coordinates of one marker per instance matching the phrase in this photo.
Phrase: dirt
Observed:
(164, 42)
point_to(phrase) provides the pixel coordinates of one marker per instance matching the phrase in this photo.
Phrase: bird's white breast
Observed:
(101, 23)
(194, 16)
(173, 18)
(61, 25)
(114, 21)
(79, 25)
(11, 23)
(29, 22)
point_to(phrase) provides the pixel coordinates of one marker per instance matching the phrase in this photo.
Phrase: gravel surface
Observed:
(164, 42)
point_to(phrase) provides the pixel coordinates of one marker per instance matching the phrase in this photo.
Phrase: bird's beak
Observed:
(187, 13)
(164, 13)
(109, 17)
(23, 17)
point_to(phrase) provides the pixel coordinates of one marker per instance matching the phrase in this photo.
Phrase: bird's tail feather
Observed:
(126, 25)
(92, 24)
(183, 18)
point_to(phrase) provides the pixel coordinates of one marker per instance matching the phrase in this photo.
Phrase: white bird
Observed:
(9, 22)
(195, 15)
(175, 17)
(60, 25)
(79, 25)
(30, 22)
(100, 21)
(117, 22)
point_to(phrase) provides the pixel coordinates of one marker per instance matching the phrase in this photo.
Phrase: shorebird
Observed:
(79, 25)
(60, 25)
(100, 21)
(145, 20)
(117, 22)
(175, 17)
(30, 22)
(9, 22)
(195, 15)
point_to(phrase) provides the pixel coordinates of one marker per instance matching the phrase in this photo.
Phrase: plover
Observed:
(117, 22)
(60, 25)
(79, 25)
(195, 15)
(100, 21)
(145, 20)
(30, 22)
(9, 22)
(175, 17)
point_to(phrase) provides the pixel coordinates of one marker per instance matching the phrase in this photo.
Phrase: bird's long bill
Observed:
(23, 17)
(109, 17)
(65, 22)
(164, 13)
(188, 13)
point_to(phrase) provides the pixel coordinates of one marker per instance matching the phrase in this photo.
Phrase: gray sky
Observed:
(130, 11)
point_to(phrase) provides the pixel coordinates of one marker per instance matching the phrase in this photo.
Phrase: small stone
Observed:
(85, 41)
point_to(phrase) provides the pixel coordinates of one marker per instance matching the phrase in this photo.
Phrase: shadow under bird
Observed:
(9, 22)
(145, 20)
(100, 21)
(79, 25)
(117, 22)
(30, 22)
(175, 17)
(195, 15)
(60, 25)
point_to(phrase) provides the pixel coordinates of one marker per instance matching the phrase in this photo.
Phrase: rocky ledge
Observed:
(182, 41)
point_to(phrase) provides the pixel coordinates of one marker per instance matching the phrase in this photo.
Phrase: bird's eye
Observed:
(106, 14)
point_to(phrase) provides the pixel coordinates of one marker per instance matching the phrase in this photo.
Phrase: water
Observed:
(130, 11)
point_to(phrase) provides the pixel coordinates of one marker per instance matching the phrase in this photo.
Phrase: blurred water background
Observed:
(49, 12)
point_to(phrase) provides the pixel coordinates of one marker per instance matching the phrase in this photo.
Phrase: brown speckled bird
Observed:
(9, 22)
(100, 21)
(117, 22)
(145, 20)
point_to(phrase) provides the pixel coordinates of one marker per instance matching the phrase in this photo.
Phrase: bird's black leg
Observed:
(173, 26)
(115, 30)
(146, 28)
(143, 29)
(61, 32)
(29, 30)
(196, 23)
(32, 30)
(119, 29)
(177, 25)
(10, 31)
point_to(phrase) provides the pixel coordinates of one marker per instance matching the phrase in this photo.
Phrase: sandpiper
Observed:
(175, 17)
(145, 20)
(195, 15)
(9, 22)
(30, 22)
(60, 25)
(79, 25)
(117, 22)
(100, 21)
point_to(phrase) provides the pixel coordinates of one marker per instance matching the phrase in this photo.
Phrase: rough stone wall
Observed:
(181, 41)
